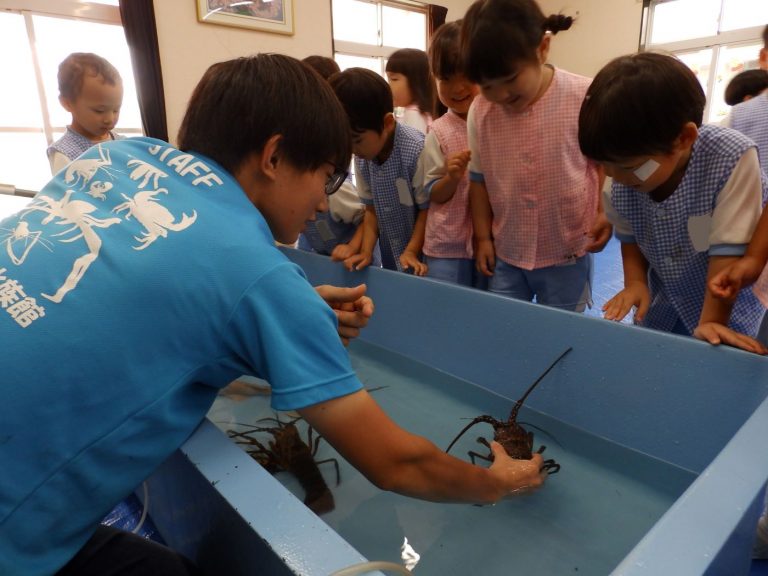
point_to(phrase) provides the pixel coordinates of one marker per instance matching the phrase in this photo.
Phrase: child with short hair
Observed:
(390, 178)
(345, 210)
(745, 86)
(535, 199)
(448, 239)
(90, 89)
(412, 87)
(685, 198)
(751, 118)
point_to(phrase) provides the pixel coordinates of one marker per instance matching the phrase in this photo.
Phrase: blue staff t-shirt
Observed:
(133, 287)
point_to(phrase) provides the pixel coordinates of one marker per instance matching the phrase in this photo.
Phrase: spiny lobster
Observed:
(287, 452)
(516, 440)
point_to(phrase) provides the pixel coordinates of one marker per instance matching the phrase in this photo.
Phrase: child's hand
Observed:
(341, 252)
(600, 233)
(727, 283)
(456, 164)
(485, 257)
(358, 261)
(410, 260)
(716, 333)
(634, 294)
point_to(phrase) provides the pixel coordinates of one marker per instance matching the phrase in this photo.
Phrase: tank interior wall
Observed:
(212, 502)
(669, 396)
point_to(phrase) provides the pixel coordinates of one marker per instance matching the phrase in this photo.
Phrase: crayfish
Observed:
(287, 452)
(516, 440)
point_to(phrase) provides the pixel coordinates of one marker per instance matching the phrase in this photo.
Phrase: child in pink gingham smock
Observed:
(449, 225)
(542, 190)
(448, 238)
(535, 199)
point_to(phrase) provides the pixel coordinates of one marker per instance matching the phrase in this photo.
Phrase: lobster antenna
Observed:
(519, 403)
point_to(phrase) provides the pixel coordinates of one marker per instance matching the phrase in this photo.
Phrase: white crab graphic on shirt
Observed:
(76, 215)
(155, 217)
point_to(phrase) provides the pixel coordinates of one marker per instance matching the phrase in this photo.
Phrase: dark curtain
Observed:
(138, 18)
(435, 18)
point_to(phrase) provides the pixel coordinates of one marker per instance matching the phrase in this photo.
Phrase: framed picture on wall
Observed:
(265, 15)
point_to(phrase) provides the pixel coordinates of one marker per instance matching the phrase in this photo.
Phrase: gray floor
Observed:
(608, 278)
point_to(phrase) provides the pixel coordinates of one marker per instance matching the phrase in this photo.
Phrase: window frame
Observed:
(725, 38)
(379, 50)
(84, 11)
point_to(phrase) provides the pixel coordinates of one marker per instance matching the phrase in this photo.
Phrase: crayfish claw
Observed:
(550, 467)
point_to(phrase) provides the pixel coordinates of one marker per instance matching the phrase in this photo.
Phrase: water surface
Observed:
(584, 521)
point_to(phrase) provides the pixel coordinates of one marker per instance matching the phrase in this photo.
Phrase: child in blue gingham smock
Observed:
(90, 89)
(685, 200)
(390, 178)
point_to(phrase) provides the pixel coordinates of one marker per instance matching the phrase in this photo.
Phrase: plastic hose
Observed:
(365, 567)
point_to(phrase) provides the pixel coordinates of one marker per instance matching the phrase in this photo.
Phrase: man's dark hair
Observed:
(365, 96)
(240, 104)
(637, 105)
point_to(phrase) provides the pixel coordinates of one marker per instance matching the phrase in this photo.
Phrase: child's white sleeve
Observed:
(420, 193)
(363, 188)
(434, 161)
(737, 210)
(622, 229)
(345, 206)
(57, 161)
(474, 162)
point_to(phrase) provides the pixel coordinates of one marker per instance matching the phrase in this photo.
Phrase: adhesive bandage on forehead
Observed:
(646, 170)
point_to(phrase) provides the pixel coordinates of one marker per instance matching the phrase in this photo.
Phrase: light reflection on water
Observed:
(584, 521)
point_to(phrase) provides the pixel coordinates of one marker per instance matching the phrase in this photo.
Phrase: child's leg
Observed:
(454, 270)
(511, 281)
(565, 286)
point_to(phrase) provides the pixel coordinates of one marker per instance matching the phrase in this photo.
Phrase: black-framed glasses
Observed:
(335, 180)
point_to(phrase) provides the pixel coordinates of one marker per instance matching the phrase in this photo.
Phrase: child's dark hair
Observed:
(323, 65)
(240, 104)
(413, 64)
(747, 83)
(365, 96)
(765, 37)
(637, 105)
(76, 66)
(498, 34)
(444, 54)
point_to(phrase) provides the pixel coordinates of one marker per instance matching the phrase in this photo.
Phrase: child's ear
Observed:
(543, 50)
(65, 103)
(389, 122)
(687, 135)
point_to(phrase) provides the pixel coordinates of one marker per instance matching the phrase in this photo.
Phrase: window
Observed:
(717, 39)
(40, 34)
(366, 32)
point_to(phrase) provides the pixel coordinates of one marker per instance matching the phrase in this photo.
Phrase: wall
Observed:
(188, 47)
(603, 30)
